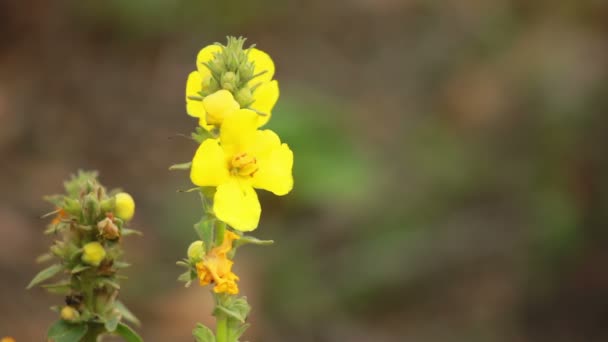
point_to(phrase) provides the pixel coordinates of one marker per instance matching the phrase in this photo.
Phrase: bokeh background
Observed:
(451, 162)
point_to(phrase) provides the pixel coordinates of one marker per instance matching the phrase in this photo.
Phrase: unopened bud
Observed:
(72, 206)
(196, 251)
(93, 253)
(229, 81)
(244, 97)
(69, 314)
(108, 229)
(125, 206)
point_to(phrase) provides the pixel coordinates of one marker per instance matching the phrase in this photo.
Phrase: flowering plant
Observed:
(89, 223)
(232, 93)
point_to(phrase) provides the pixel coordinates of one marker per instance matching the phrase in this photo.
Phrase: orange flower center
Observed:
(243, 164)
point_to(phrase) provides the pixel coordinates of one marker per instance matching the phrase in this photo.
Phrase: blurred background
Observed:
(450, 162)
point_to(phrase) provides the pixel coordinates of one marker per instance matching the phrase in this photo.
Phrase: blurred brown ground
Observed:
(450, 162)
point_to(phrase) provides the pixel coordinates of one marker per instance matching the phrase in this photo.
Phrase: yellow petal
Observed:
(237, 205)
(262, 62)
(238, 131)
(193, 86)
(204, 56)
(209, 167)
(219, 105)
(275, 162)
(266, 96)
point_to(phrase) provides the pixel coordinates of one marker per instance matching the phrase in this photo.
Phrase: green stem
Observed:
(94, 333)
(221, 333)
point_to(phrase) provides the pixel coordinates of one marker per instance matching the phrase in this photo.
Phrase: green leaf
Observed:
(63, 287)
(183, 166)
(126, 313)
(121, 264)
(204, 229)
(127, 232)
(45, 274)
(112, 323)
(44, 257)
(245, 240)
(110, 282)
(236, 329)
(203, 334)
(127, 333)
(79, 268)
(236, 308)
(62, 331)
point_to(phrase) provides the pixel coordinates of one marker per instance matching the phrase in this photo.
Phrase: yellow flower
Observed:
(217, 268)
(260, 93)
(125, 206)
(243, 158)
(93, 253)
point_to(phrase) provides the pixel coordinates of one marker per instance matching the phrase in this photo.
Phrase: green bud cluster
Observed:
(87, 255)
(232, 70)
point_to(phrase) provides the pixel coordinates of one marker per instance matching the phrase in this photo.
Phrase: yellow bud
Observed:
(93, 253)
(125, 206)
(196, 251)
(69, 314)
(219, 105)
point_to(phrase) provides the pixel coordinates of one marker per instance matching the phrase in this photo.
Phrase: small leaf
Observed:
(236, 308)
(45, 274)
(126, 313)
(183, 263)
(203, 334)
(44, 257)
(127, 232)
(79, 268)
(204, 229)
(121, 264)
(127, 333)
(182, 166)
(61, 331)
(110, 282)
(112, 323)
(63, 287)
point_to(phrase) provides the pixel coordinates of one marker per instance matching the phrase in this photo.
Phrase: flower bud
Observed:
(93, 253)
(229, 81)
(69, 314)
(196, 251)
(125, 206)
(108, 229)
(246, 71)
(72, 206)
(244, 97)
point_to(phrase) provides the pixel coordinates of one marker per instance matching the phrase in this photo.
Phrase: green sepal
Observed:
(62, 331)
(62, 287)
(182, 166)
(79, 268)
(128, 231)
(186, 277)
(203, 334)
(126, 313)
(44, 258)
(127, 333)
(45, 274)
(245, 240)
